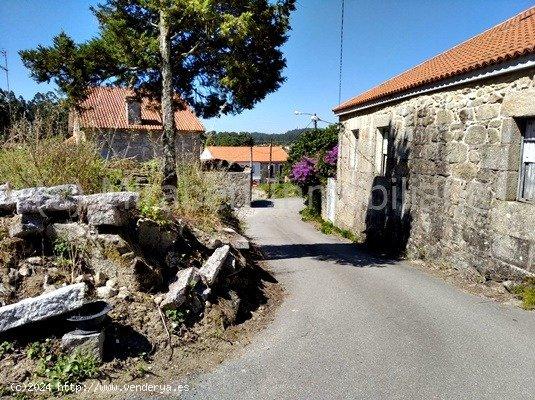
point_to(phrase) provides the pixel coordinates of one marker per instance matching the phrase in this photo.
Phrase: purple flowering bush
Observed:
(331, 156)
(304, 172)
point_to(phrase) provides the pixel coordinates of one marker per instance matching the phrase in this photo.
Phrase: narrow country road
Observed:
(352, 328)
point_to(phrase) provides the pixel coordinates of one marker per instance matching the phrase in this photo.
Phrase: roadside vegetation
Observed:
(526, 292)
(309, 215)
(280, 190)
(31, 156)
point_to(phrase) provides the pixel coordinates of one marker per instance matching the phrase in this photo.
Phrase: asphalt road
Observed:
(353, 328)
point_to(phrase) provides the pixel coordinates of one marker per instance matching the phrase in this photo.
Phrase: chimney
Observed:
(133, 110)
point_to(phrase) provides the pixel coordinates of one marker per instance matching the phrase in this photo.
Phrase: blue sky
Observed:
(382, 39)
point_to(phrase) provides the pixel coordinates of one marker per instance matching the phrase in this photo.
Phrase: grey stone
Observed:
(514, 218)
(382, 120)
(487, 111)
(444, 117)
(45, 203)
(519, 104)
(34, 260)
(85, 343)
(239, 242)
(509, 285)
(10, 198)
(213, 265)
(26, 225)
(475, 134)
(456, 152)
(106, 292)
(100, 278)
(178, 290)
(510, 131)
(500, 158)
(34, 309)
(109, 209)
(124, 293)
(72, 231)
(511, 250)
(154, 238)
(114, 241)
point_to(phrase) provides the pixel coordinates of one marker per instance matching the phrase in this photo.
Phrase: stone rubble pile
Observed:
(123, 253)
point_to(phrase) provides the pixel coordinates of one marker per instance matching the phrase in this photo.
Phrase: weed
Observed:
(37, 350)
(6, 347)
(70, 255)
(308, 214)
(526, 293)
(176, 316)
(60, 372)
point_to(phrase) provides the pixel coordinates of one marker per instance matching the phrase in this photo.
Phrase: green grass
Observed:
(281, 190)
(526, 293)
(326, 227)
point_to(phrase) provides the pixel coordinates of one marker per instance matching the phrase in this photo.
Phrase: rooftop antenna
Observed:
(4, 67)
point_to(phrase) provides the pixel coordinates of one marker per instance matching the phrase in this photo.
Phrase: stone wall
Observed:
(452, 176)
(235, 187)
(146, 145)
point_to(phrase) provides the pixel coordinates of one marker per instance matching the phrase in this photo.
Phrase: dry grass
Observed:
(33, 154)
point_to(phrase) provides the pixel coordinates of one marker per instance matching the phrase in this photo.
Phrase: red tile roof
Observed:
(509, 40)
(241, 154)
(105, 108)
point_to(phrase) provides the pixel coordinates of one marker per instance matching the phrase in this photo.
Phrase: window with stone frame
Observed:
(527, 171)
(353, 148)
(381, 151)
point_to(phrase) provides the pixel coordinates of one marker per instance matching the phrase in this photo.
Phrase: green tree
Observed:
(313, 143)
(47, 107)
(220, 56)
(229, 139)
(73, 67)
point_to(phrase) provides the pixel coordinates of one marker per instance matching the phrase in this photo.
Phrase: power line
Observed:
(341, 53)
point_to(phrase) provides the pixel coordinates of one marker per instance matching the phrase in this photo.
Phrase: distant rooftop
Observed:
(105, 108)
(242, 154)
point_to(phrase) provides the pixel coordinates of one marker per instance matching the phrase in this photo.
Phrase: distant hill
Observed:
(248, 138)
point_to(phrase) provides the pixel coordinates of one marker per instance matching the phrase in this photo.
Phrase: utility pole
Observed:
(315, 120)
(4, 67)
(270, 165)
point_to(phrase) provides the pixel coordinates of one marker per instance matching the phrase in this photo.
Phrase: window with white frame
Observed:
(381, 151)
(527, 171)
(353, 148)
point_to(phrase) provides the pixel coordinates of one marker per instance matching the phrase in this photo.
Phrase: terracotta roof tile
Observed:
(509, 40)
(243, 153)
(105, 108)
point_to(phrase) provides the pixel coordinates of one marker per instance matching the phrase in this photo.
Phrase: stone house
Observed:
(266, 161)
(127, 126)
(439, 162)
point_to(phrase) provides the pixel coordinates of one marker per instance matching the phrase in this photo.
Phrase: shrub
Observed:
(304, 172)
(198, 199)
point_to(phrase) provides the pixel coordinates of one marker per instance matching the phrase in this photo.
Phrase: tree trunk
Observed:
(169, 183)
(76, 131)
